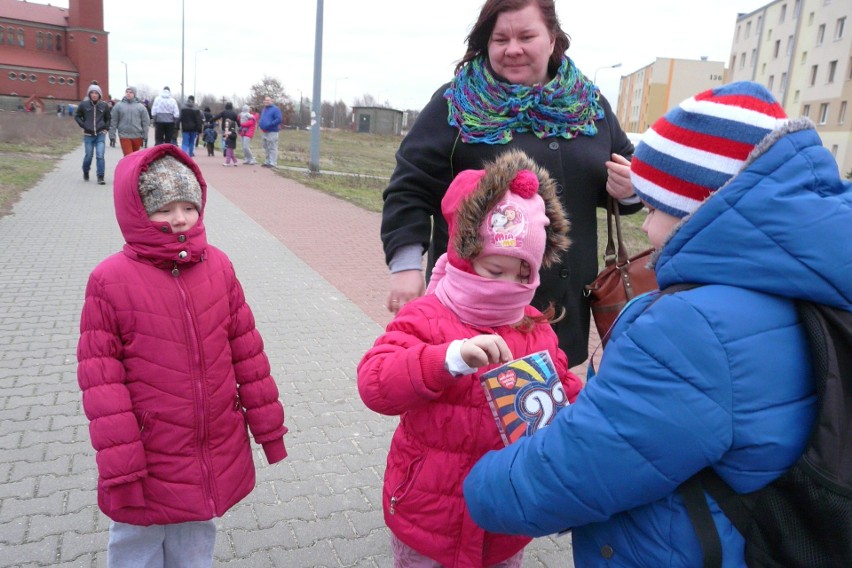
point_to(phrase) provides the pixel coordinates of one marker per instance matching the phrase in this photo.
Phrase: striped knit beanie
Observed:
(702, 143)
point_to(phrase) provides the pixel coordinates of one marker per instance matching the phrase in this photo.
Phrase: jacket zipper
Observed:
(198, 391)
(407, 482)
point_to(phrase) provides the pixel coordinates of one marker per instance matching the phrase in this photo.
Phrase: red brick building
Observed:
(49, 55)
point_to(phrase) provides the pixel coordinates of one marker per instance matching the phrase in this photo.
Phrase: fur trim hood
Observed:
(469, 213)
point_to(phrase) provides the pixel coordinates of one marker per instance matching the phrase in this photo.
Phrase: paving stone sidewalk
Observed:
(322, 505)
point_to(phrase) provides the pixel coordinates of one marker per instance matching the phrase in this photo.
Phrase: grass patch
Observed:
(29, 147)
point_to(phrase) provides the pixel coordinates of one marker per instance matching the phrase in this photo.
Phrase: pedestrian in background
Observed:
(248, 123)
(191, 124)
(210, 136)
(165, 112)
(230, 143)
(270, 124)
(173, 372)
(130, 121)
(93, 116)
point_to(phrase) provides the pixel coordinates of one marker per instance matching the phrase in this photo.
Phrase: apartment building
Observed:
(801, 50)
(648, 93)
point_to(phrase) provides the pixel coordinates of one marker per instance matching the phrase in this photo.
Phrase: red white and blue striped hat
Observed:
(702, 143)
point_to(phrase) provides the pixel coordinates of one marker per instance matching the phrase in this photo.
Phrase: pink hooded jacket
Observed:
(172, 369)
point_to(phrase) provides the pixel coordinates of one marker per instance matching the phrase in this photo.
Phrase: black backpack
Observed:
(803, 519)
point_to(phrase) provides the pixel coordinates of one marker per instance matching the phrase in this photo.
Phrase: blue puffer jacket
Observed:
(714, 376)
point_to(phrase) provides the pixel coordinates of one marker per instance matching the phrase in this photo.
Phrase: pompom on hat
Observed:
(94, 87)
(168, 180)
(509, 208)
(701, 144)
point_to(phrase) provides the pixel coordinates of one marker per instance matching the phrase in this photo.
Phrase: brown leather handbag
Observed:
(622, 278)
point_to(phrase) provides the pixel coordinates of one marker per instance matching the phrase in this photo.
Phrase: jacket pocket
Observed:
(402, 489)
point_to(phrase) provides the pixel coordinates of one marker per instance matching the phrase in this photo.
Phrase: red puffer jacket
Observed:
(442, 434)
(172, 370)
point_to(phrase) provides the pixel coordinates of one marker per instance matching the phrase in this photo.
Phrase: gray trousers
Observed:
(181, 545)
(270, 148)
(248, 158)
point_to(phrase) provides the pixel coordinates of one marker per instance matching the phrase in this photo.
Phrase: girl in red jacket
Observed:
(172, 371)
(426, 366)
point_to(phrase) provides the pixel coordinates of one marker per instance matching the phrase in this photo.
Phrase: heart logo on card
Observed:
(507, 379)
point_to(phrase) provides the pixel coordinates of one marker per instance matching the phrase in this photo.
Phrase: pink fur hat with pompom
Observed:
(509, 208)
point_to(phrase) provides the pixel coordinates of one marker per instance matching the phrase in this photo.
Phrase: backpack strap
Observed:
(692, 494)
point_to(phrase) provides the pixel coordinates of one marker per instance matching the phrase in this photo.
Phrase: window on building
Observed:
(814, 69)
(58, 42)
(769, 35)
(789, 46)
(811, 19)
(51, 80)
(771, 82)
(763, 69)
(823, 113)
(62, 80)
(733, 61)
(737, 35)
(820, 34)
(783, 13)
(742, 61)
(841, 116)
(2, 34)
(748, 30)
(759, 25)
(753, 58)
(71, 81)
(50, 42)
(783, 86)
(804, 57)
(832, 67)
(806, 110)
(796, 97)
(838, 28)
(777, 49)
(39, 40)
(797, 7)
(834, 149)
(20, 37)
(12, 75)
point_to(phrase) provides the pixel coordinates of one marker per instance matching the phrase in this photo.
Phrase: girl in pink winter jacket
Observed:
(172, 371)
(426, 366)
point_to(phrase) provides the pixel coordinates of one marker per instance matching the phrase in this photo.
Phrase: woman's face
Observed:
(658, 225)
(520, 46)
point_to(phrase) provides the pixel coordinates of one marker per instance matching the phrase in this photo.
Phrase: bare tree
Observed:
(268, 87)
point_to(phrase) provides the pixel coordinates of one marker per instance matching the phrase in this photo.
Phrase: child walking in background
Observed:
(172, 371)
(426, 366)
(230, 144)
(210, 136)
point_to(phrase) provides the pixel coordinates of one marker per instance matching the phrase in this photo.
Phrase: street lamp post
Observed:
(595, 79)
(334, 114)
(126, 75)
(182, 43)
(195, 72)
(300, 108)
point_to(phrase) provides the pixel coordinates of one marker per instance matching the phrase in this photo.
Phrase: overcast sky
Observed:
(399, 51)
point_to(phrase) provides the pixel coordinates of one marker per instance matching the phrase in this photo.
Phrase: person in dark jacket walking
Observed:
(93, 116)
(192, 125)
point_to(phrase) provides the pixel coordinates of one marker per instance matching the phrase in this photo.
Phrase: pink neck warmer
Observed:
(480, 301)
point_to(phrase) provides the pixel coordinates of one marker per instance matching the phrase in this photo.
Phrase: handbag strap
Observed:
(616, 252)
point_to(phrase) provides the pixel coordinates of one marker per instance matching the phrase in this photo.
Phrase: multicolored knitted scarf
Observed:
(489, 111)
